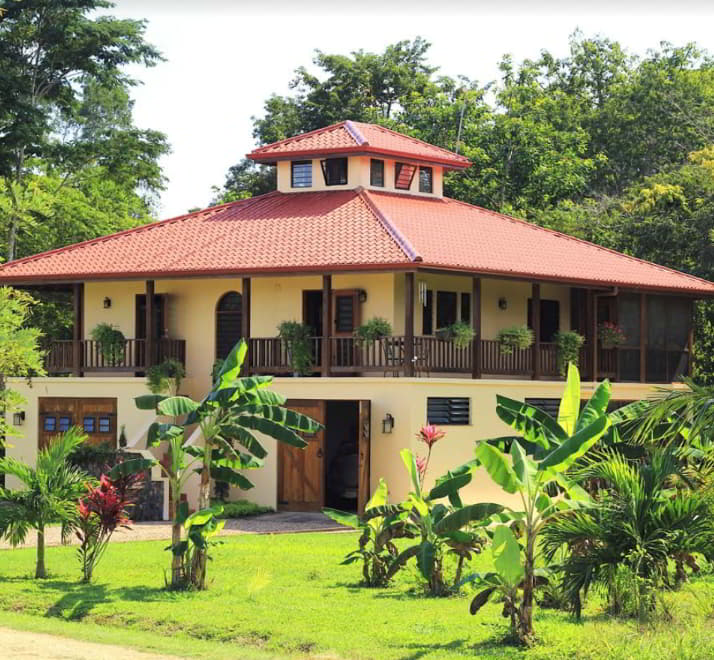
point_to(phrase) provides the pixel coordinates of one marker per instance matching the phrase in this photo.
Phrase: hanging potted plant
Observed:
(610, 335)
(111, 342)
(567, 347)
(296, 337)
(460, 334)
(516, 336)
(375, 329)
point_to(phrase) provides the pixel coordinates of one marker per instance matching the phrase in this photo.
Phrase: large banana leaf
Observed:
(535, 425)
(379, 497)
(232, 364)
(454, 480)
(203, 516)
(507, 555)
(343, 518)
(524, 467)
(285, 417)
(131, 466)
(177, 406)
(271, 429)
(426, 554)
(410, 463)
(596, 406)
(245, 438)
(569, 409)
(574, 447)
(465, 515)
(159, 432)
(148, 401)
(229, 476)
(498, 466)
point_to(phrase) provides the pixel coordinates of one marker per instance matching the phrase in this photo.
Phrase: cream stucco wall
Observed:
(404, 398)
(358, 174)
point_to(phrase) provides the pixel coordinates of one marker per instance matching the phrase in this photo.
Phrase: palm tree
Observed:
(49, 496)
(643, 516)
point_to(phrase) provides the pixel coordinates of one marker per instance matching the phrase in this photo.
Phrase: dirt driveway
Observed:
(39, 646)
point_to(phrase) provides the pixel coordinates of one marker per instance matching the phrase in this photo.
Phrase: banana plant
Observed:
(507, 581)
(380, 524)
(228, 418)
(440, 528)
(559, 444)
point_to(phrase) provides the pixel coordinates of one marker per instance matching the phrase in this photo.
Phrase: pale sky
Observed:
(225, 57)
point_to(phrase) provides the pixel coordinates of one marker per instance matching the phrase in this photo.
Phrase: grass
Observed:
(286, 596)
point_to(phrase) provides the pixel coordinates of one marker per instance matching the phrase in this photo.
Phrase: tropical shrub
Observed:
(100, 512)
(610, 334)
(111, 342)
(226, 417)
(461, 334)
(376, 328)
(242, 509)
(380, 524)
(516, 336)
(165, 378)
(296, 337)
(556, 446)
(49, 494)
(567, 349)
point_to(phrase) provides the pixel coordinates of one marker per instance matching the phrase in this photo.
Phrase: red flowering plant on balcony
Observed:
(103, 509)
(610, 334)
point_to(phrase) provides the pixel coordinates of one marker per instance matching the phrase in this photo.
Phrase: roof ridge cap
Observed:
(355, 133)
(548, 230)
(401, 240)
(419, 140)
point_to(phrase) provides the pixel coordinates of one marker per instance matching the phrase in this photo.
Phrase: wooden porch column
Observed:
(409, 325)
(78, 327)
(643, 337)
(690, 340)
(245, 320)
(535, 309)
(149, 338)
(593, 333)
(476, 325)
(326, 324)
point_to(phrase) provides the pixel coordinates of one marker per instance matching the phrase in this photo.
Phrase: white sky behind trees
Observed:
(225, 57)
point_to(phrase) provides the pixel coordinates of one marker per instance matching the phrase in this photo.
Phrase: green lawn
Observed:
(285, 595)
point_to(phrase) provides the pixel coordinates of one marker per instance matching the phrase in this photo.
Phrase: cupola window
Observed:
(301, 174)
(335, 171)
(426, 184)
(403, 175)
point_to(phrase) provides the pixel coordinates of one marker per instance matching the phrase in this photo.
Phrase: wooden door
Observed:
(96, 416)
(363, 450)
(301, 472)
(346, 319)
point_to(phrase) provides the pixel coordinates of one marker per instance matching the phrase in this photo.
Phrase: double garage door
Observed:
(96, 416)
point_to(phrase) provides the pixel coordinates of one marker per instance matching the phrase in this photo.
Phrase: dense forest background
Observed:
(603, 145)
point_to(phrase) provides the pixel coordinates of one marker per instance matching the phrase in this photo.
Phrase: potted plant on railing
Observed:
(165, 378)
(516, 336)
(296, 337)
(567, 347)
(461, 334)
(375, 329)
(610, 335)
(111, 342)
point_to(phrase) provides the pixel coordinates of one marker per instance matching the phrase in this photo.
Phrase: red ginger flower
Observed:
(421, 464)
(430, 434)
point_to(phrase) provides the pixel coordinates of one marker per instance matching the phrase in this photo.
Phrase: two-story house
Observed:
(358, 228)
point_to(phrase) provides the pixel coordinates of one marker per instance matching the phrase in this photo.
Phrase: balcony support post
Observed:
(535, 313)
(593, 335)
(326, 324)
(476, 325)
(643, 337)
(149, 337)
(245, 321)
(77, 327)
(409, 325)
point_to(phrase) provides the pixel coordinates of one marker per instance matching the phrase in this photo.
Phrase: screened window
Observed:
(344, 313)
(335, 171)
(376, 173)
(49, 424)
(105, 424)
(65, 421)
(228, 323)
(89, 424)
(445, 309)
(447, 411)
(426, 184)
(466, 308)
(301, 173)
(403, 175)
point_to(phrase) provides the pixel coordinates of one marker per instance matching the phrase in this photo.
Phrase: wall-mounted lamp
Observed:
(362, 296)
(18, 418)
(387, 423)
(107, 303)
(502, 303)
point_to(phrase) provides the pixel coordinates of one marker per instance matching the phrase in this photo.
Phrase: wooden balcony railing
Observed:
(68, 356)
(434, 356)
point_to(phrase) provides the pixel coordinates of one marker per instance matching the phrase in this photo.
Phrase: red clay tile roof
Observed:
(346, 230)
(356, 137)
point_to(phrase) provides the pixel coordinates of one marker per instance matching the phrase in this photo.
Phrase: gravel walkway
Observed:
(268, 523)
(17, 644)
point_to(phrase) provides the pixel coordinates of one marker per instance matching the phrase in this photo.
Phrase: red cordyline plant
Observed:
(429, 435)
(610, 334)
(101, 511)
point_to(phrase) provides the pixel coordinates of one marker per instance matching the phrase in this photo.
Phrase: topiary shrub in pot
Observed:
(296, 337)
(111, 342)
(567, 346)
(516, 336)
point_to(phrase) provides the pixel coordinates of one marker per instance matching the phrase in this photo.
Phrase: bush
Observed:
(111, 341)
(568, 345)
(375, 328)
(243, 509)
(165, 378)
(516, 336)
